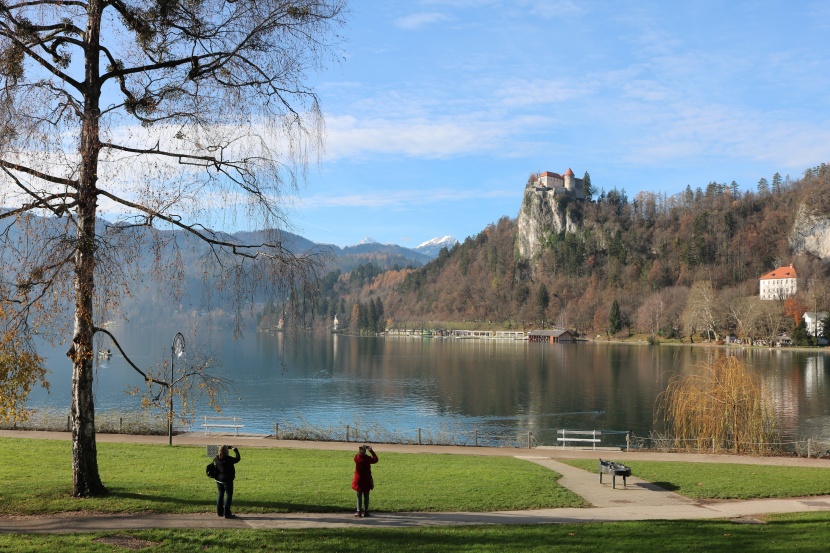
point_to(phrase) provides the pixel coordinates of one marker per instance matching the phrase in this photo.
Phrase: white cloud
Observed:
(528, 92)
(549, 9)
(676, 132)
(461, 4)
(348, 136)
(648, 91)
(401, 198)
(419, 20)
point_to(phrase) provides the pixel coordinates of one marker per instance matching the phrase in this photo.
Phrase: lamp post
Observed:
(176, 350)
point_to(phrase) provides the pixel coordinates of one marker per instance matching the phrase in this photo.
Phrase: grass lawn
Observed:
(783, 533)
(163, 479)
(727, 480)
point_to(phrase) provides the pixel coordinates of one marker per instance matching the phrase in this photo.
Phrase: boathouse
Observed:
(552, 336)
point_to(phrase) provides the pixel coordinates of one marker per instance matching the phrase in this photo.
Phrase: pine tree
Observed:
(776, 183)
(587, 188)
(542, 301)
(615, 319)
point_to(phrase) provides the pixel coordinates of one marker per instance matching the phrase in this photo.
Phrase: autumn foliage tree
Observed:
(794, 309)
(160, 112)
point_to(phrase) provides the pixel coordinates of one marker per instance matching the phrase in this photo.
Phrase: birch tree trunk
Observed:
(85, 478)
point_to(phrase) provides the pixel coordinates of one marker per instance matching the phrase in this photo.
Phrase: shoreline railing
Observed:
(146, 423)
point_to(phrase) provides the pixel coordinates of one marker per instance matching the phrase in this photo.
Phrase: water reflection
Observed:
(495, 387)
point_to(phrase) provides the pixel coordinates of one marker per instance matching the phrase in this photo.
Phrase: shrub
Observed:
(724, 401)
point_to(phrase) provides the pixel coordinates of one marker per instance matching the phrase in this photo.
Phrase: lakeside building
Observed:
(552, 336)
(780, 284)
(459, 334)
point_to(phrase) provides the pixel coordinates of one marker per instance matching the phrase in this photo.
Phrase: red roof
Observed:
(787, 271)
(550, 174)
(569, 172)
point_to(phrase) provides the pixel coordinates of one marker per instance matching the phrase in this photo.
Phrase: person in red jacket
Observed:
(362, 482)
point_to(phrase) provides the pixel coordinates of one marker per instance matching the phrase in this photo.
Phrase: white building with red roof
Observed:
(779, 284)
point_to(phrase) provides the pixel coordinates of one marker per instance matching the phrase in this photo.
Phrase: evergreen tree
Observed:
(542, 301)
(615, 320)
(763, 186)
(776, 183)
(380, 319)
(800, 335)
(689, 195)
(372, 317)
(587, 188)
(825, 328)
(362, 317)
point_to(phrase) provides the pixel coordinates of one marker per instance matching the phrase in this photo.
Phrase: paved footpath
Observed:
(638, 500)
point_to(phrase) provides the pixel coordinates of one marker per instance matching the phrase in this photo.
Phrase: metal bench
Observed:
(614, 469)
(222, 422)
(593, 440)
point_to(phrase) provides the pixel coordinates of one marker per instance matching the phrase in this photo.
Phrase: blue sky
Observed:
(441, 109)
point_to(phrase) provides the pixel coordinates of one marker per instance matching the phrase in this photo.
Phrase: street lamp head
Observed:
(178, 344)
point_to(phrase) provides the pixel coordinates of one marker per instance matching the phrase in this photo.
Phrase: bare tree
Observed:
(650, 314)
(699, 314)
(747, 314)
(161, 112)
(771, 321)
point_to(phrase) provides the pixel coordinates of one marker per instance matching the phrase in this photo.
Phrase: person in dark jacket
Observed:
(224, 482)
(362, 483)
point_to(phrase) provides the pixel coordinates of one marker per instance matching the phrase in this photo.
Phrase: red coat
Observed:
(362, 481)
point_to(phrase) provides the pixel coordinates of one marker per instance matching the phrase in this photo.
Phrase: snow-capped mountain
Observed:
(432, 247)
(367, 240)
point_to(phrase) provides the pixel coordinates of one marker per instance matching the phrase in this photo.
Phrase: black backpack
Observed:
(212, 471)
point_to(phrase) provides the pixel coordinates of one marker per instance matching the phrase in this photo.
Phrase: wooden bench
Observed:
(593, 440)
(614, 469)
(222, 422)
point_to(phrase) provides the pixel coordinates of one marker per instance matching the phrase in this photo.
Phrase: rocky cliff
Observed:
(542, 213)
(810, 233)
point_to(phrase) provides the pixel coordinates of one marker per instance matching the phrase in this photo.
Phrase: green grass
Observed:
(140, 477)
(727, 480)
(800, 532)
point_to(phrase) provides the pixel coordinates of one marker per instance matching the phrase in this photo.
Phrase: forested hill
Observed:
(642, 257)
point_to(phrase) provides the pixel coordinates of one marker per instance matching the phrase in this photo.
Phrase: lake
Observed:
(393, 386)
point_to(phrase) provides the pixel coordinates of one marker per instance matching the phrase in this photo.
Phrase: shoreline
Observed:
(616, 341)
(554, 452)
(197, 439)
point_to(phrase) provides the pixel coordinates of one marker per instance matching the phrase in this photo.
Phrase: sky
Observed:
(440, 109)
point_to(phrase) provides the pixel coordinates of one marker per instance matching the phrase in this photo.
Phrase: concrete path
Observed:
(638, 500)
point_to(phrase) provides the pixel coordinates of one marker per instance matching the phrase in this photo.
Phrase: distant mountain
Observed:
(347, 258)
(432, 247)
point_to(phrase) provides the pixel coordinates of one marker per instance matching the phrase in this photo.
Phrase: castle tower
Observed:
(569, 180)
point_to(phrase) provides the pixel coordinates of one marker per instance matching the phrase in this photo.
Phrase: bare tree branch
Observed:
(127, 358)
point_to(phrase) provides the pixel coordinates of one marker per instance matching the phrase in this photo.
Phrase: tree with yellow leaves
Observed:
(723, 404)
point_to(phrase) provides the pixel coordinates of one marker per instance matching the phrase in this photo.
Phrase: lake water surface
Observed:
(500, 389)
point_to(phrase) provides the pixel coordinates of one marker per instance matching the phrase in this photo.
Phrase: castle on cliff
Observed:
(555, 184)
